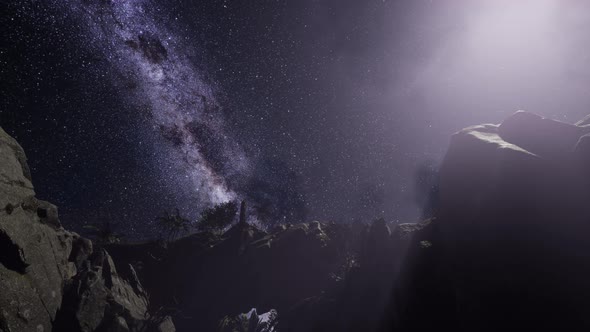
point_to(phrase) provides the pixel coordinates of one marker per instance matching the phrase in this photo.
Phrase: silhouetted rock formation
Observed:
(52, 279)
(509, 249)
(201, 278)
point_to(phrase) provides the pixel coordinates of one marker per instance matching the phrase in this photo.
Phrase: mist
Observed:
(510, 55)
(403, 75)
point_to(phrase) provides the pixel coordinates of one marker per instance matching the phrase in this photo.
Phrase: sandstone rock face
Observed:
(47, 272)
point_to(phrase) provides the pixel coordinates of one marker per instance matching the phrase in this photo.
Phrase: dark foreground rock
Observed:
(509, 249)
(52, 279)
(202, 278)
(318, 276)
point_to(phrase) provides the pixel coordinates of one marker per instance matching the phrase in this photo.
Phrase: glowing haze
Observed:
(512, 55)
(424, 69)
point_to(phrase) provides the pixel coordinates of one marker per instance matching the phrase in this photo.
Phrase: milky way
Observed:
(181, 105)
(307, 109)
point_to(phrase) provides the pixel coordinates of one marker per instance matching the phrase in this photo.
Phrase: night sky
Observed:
(307, 109)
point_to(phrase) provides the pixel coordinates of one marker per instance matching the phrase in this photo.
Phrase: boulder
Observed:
(509, 246)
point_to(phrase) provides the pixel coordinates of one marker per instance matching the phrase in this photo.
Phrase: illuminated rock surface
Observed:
(52, 279)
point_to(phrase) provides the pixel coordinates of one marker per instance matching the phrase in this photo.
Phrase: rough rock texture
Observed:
(509, 248)
(99, 299)
(33, 255)
(318, 276)
(44, 269)
(201, 278)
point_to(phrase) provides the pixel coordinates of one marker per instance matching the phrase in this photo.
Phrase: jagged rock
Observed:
(488, 159)
(166, 325)
(250, 322)
(98, 298)
(52, 279)
(46, 211)
(82, 248)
